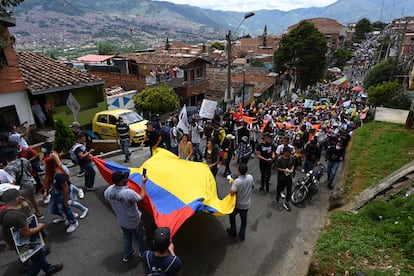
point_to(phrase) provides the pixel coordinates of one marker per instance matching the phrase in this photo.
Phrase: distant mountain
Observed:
(71, 23)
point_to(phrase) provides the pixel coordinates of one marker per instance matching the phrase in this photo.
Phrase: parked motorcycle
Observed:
(301, 190)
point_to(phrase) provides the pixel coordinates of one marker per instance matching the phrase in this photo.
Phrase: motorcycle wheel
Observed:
(298, 195)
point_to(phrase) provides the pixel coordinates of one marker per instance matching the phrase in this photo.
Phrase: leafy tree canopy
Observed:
(158, 99)
(304, 49)
(64, 137)
(379, 73)
(106, 48)
(388, 94)
(379, 26)
(341, 56)
(362, 27)
(217, 45)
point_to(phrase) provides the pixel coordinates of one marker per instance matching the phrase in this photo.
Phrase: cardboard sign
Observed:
(208, 109)
(27, 247)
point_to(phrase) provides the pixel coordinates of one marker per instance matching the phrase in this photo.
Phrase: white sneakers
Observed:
(72, 227)
(81, 194)
(46, 200)
(84, 213)
(59, 219)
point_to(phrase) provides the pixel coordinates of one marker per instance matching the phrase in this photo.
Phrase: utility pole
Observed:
(244, 86)
(229, 58)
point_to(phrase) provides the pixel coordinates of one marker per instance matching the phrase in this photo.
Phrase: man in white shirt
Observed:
(241, 188)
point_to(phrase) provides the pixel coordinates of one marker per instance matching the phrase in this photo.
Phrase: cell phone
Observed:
(144, 172)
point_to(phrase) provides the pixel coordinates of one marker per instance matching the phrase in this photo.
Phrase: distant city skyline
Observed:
(251, 5)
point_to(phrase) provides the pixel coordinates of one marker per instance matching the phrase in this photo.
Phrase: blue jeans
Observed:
(332, 168)
(136, 234)
(57, 206)
(243, 222)
(75, 203)
(124, 144)
(197, 153)
(39, 262)
(89, 174)
(308, 165)
(174, 150)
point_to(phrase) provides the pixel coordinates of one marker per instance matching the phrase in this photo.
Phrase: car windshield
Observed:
(131, 117)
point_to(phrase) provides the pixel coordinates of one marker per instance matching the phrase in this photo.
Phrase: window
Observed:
(199, 72)
(102, 119)
(112, 120)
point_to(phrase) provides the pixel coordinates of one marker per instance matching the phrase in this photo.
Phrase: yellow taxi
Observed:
(104, 122)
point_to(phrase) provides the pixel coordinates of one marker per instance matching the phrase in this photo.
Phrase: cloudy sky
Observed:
(253, 5)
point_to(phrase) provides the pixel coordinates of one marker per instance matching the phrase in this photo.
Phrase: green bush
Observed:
(64, 137)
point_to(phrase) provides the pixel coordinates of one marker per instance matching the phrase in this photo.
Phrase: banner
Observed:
(183, 120)
(208, 109)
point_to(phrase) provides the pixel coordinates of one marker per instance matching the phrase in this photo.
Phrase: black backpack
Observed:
(157, 271)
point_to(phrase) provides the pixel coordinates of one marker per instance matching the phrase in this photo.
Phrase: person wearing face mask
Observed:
(334, 154)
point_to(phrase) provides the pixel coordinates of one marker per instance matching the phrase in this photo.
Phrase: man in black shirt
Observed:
(334, 154)
(153, 137)
(122, 129)
(85, 162)
(266, 154)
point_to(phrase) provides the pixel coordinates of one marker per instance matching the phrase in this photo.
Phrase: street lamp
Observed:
(229, 57)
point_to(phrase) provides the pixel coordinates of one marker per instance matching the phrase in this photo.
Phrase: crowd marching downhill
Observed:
(284, 136)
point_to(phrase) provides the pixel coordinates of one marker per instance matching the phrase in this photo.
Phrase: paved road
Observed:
(277, 242)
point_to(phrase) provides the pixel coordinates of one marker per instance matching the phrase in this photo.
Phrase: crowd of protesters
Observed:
(284, 138)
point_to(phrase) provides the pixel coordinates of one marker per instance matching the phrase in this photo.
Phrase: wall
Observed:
(91, 101)
(390, 115)
(21, 102)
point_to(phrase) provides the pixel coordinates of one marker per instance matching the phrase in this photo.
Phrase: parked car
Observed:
(103, 124)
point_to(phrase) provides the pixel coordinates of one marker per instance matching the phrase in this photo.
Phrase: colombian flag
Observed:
(176, 188)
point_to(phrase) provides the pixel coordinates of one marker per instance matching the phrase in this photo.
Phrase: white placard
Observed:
(208, 109)
(73, 105)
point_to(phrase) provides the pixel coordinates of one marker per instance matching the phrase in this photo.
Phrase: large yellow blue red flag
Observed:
(176, 188)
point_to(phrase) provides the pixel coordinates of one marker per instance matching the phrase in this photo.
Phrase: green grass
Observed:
(379, 239)
(378, 149)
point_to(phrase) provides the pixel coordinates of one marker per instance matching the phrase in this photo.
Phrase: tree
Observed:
(341, 56)
(388, 94)
(255, 62)
(217, 45)
(379, 26)
(362, 27)
(158, 99)
(167, 45)
(106, 48)
(264, 37)
(379, 73)
(64, 137)
(303, 49)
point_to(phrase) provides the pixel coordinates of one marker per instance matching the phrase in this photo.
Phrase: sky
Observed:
(254, 5)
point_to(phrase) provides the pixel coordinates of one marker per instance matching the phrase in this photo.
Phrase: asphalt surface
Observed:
(277, 242)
